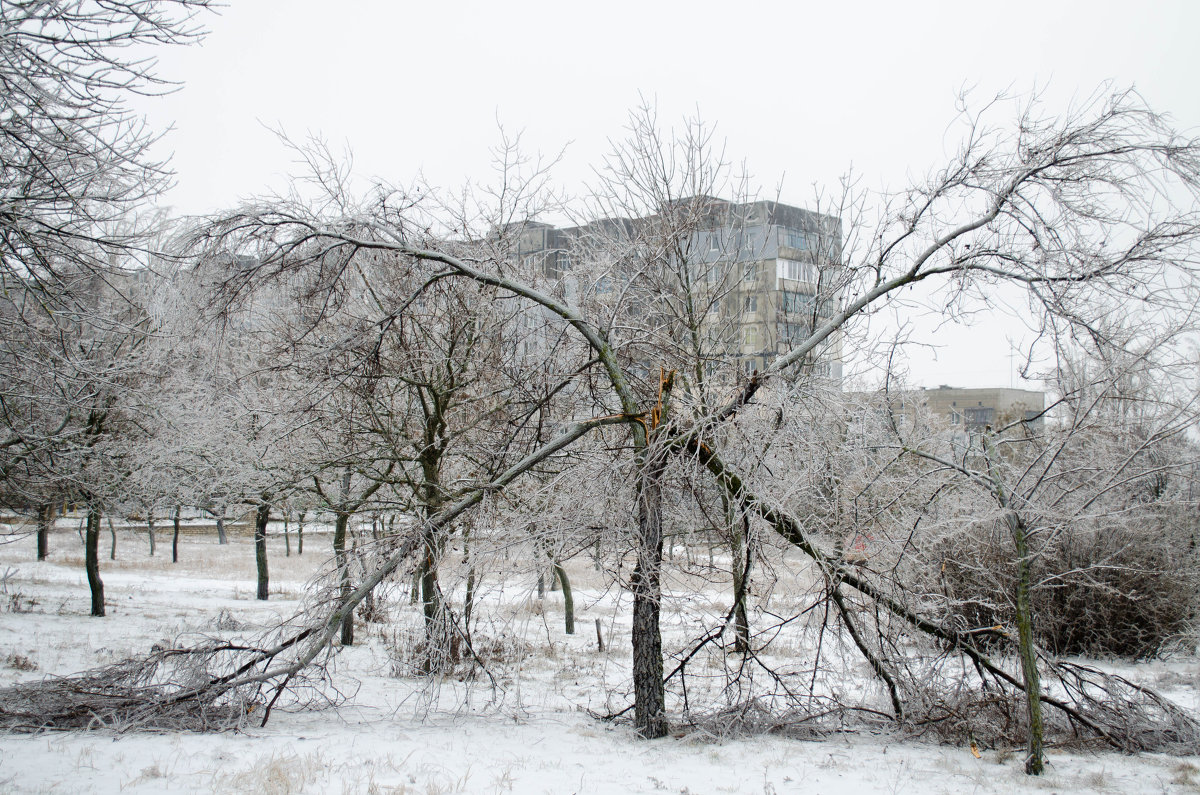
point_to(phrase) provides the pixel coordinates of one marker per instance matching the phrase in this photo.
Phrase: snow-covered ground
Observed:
(394, 734)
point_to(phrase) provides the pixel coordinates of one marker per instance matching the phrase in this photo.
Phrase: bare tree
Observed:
(1054, 207)
(1068, 209)
(345, 502)
(75, 176)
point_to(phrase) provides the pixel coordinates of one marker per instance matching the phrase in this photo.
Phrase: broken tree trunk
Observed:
(568, 598)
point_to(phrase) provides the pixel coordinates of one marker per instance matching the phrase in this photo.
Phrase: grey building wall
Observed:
(778, 268)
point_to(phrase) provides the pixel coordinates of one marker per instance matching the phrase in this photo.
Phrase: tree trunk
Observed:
(469, 598)
(92, 560)
(649, 695)
(260, 547)
(45, 519)
(343, 566)
(150, 531)
(739, 529)
(440, 651)
(356, 554)
(538, 552)
(436, 638)
(1034, 762)
(568, 598)
(300, 533)
(222, 539)
(287, 538)
(112, 552)
(175, 535)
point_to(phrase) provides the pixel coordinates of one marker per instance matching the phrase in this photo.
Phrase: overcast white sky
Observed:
(800, 91)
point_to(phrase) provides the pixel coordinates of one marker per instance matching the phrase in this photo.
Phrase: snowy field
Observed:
(534, 732)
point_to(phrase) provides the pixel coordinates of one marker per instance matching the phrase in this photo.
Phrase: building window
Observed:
(714, 241)
(793, 333)
(796, 271)
(793, 238)
(750, 336)
(797, 303)
(801, 305)
(751, 273)
(564, 261)
(752, 303)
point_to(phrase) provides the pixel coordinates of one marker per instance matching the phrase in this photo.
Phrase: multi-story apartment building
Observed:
(771, 272)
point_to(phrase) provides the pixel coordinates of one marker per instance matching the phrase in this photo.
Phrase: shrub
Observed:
(1122, 585)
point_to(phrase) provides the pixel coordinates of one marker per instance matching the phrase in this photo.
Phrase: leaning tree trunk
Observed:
(222, 539)
(649, 695)
(112, 553)
(568, 598)
(92, 560)
(343, 566)
(260, 547)
(44, 520)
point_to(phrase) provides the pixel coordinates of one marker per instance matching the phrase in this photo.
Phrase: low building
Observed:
(990, 407)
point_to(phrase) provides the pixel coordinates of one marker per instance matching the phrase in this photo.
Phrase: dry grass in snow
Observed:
(529, 731)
